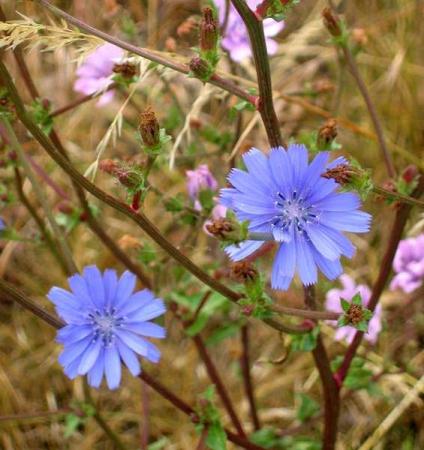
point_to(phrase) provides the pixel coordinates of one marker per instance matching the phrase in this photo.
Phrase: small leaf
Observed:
(345, 304)
(305, 342)
(308, 408)
(357, 299)
(216, 438)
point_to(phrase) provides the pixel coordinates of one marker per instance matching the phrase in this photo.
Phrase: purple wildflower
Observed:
(236, 40)
(2, 225)
(347, 293)
(283, 195)
(198, 180)
(95, 73)
(409, 265)
(106, 322)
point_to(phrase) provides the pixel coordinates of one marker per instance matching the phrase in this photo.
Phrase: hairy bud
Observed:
(126, 69)
(332, 22)
(327, 133)
(200, 68)
(149, 128)
(243, 271)
(208, 31)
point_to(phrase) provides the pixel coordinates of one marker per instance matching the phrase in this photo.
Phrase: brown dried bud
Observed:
(355, 314)
(149, 128)
(65, 207)
(12, 155)
(126, 69)
(128, 242)
(342, 173)
(243, 271)
(327, 133)
(200, 67)
(220, 227)
(409, 173)
(109, 166)
(331, 22)
(208, 31)
(359, 36)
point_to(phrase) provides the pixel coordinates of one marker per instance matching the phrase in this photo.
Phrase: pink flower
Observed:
(236, 39)
(409, 265)
(349, 290)
(94, 74)
(198, 180)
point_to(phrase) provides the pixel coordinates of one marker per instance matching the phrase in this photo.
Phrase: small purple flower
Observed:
(106, 322)
(236, 40)
(2, 225)
(409, 265)
(95, 73)
(347, 293)
(198, 180)
(285, 196)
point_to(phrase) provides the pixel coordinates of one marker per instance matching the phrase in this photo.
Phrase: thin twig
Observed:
(329, 385)
(57, 232)
(38, 220)
(247, 376)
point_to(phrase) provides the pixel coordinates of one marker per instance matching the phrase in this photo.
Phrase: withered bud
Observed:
(359, 36)
(149, 128)
(128, 242)
(220, 227)
(327, 133)
(322, 86)
(200, 67)
(109, 166)
(208, 30)
(355, 314)
(12, 155)
(331, 22)
(342, 173)
(126, 69)
(409, 173)
(128, 178)
(65, 207)
(243, 271)
(46, 103)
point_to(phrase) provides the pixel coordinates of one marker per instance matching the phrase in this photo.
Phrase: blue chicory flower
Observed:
(2, 224)
(283, 195)
(106, 322)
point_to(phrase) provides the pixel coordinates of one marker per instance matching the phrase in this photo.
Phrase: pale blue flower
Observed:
(106, 323)
(283, 195)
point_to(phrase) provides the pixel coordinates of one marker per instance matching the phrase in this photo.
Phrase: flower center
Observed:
(104, 324)
(293, 211)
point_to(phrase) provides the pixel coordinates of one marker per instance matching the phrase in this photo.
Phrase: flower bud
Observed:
(355, 314)
(331, 22)
(342, 174)
(243, 271)
(126, 69)
(410, 173)
(327, 133)
(208, 31)
(149, 128)
(359, 37)
(108, 166)
(200, 68)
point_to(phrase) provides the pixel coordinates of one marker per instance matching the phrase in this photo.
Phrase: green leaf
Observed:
(147, 254)
(222, 333)
(308, 408)
(216, 438)
(305, 342)
(362, 326)
(159, 444)
(175, 204)
(342, 322)
(345, 304)
(206, 199)
(72, 422)
(357, 299)
(41, 113)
